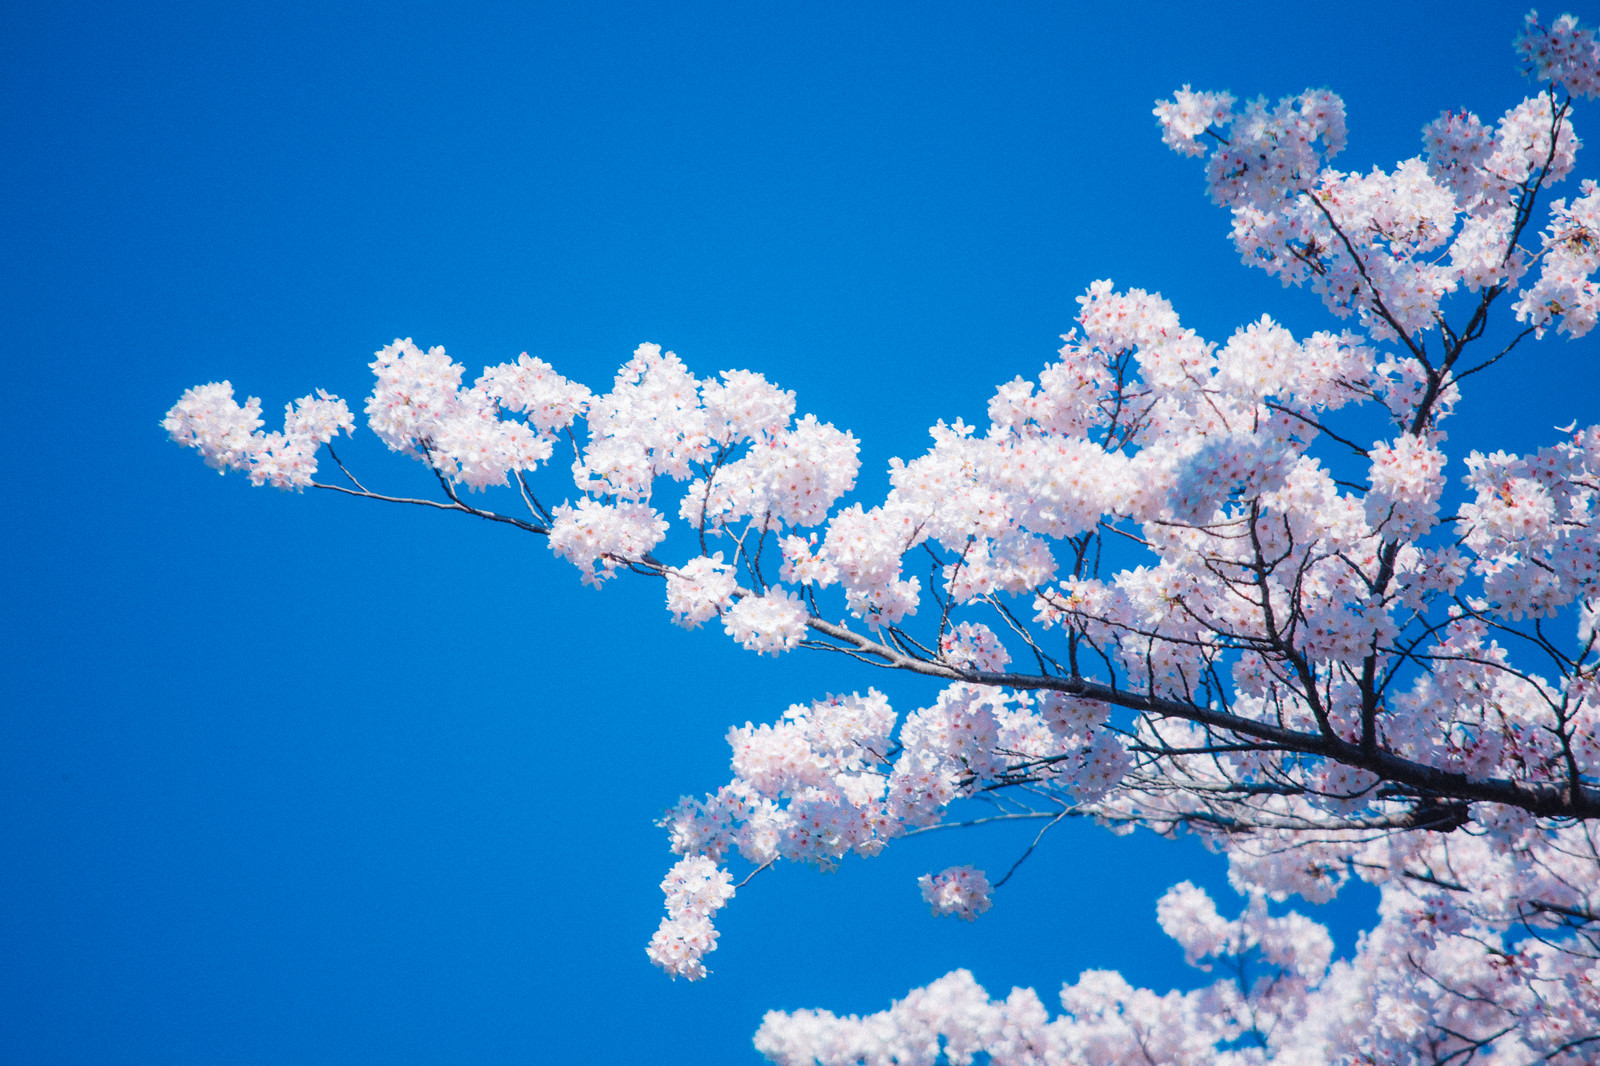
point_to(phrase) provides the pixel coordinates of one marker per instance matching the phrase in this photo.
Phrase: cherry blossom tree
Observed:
(1172, 585)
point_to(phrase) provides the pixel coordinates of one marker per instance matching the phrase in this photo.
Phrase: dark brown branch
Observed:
(1547, 801)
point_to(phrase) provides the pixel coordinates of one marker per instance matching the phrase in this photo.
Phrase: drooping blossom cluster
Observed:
(1169, 586)
(694, 888)
(962, 891)
(837, 778)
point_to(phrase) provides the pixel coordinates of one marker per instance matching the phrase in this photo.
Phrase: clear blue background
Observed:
(312, 780)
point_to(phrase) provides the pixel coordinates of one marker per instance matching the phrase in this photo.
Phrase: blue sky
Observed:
(306, 779)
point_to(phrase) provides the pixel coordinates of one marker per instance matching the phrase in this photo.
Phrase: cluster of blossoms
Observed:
(1407, 480)
(961, 890)
(1437, 960)
(229, 437)
(595, 537)
(774, 621)
(1371, 243)
(694, 889)
(835, 777)
(660, 420)
(419, 408)
(974, 645)
(1563, 52)
(700, 590)
(1244, 623)
(1532, 525)
(1564, 290)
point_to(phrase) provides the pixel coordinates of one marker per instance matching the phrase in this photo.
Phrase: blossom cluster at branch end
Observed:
(695, 888)
(961, 891)
(1563, 53)
(229, 436)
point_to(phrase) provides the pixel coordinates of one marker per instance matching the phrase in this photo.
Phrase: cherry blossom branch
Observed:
(454, 505)
(1543, 800)
(1029, 851)
(1302, 664)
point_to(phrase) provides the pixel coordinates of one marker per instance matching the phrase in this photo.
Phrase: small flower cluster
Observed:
(823, 759)
(1067, 404)
(695, 888)
(1457, 147)
(1563, 53)
(974, 645)
(1189, 114)
(209, 419)
(1564, 289)
(792, 475)
(1533, 524)
(229, 436)
(1271, 152)
(1291, 943)
(597, 537)
(862, 551)
(651, 423)
(419, 408)
(699, 590)
(962, 891)
(1407, 478)
(774, 621)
